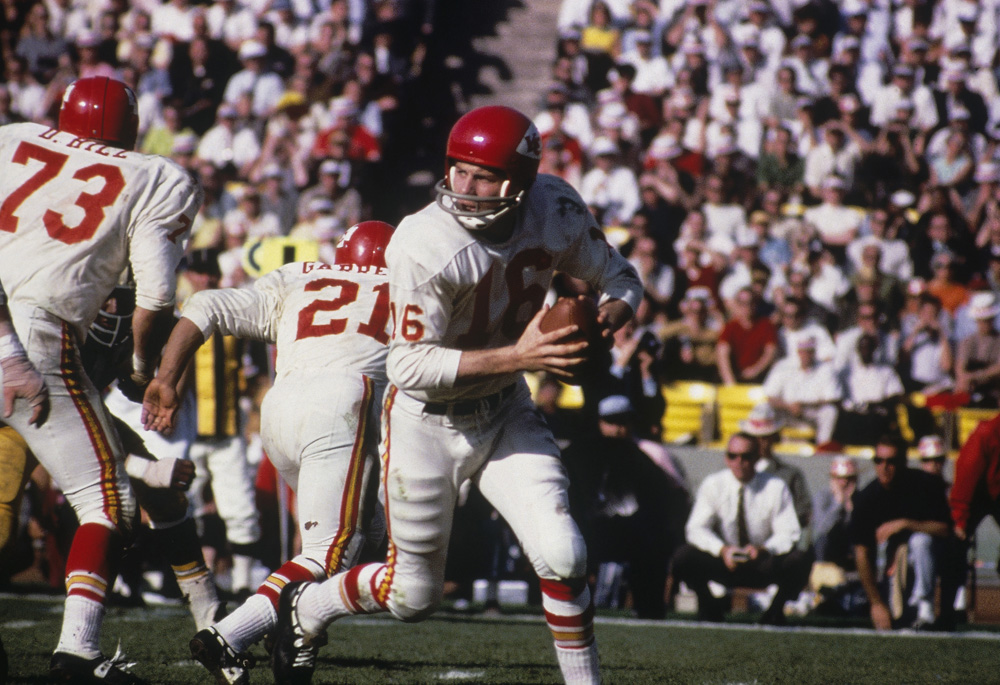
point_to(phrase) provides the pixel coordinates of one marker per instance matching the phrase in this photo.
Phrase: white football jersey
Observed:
(320, 316)
(74, 214)
(452, 291)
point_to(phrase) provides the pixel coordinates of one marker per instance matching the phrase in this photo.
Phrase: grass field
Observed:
(517, 649)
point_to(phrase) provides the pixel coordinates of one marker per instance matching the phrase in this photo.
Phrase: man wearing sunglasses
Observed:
(743, 532)
(902, 516)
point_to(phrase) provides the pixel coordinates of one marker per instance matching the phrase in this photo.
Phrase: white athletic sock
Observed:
(579, 666)
(198, 587)
(81, 628)
(242, 568)
(342, 595)
(249, 623)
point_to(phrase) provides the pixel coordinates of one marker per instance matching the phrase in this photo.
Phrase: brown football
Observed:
(582, 312)
(568, 311)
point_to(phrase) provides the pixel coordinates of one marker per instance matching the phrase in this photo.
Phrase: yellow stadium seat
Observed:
(734, 402)
(571, 396)
(969, 418)
(689, 411)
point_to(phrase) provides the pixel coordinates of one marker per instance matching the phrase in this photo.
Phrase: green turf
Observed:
(512, 649)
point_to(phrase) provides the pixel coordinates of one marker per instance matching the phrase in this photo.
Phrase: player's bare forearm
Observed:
(184, 341)
(161, 400)
(150, 330)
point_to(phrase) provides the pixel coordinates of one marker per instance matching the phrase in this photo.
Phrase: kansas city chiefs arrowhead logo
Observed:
(531, 144)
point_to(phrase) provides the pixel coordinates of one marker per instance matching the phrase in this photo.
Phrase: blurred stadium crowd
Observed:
(807, 189)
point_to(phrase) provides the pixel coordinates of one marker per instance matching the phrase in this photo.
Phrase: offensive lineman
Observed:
(319, 421)
(468, 276)
(77, 206)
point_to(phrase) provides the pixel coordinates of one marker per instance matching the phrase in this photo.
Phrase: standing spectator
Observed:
(832, 510)
(902, 517)
(742, 531)
(610, 186)
(264, 87)
(805, 391)
(631, 513)
(748, 344)
(977, 360)
(38, 46)
(762, 422)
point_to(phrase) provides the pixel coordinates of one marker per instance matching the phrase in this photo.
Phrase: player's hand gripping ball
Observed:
(581, 312)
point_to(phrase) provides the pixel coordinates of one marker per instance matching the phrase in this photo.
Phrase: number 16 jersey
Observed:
(75, 213)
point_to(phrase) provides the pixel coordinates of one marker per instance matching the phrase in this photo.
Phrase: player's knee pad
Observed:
(563, 555)
(412, 602)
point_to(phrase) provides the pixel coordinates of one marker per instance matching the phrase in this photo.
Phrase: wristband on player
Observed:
(139, 368)
(10, 344)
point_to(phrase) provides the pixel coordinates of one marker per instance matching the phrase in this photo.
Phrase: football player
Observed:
(319, 421)
(468, 275)
(78, 206)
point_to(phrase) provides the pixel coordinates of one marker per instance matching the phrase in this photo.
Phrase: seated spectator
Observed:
(933, 456)
(657, 278)
(748, 344)
(836, 223)
(742, 531)
(228, 142)
(835, 156)
(794, 326)
(779, 165)
(690, 343)
(872, 391)
(977, 360)
(894, 253)
(762, 422)
(805, 391)
(832, 509)
(868, 321)
(334, 185)
(902, 516)
(248, 220)
(773, 250)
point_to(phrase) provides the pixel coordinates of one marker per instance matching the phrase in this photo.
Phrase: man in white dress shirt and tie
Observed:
(755, 549)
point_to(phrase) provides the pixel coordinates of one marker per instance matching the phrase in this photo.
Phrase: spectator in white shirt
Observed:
(265, 88)
(743, 531)
(227, 143)
(836, 223)
(610, 186)
(904, 88)
(836, 155)
(872, 390)
(894, 253)
(805, 391)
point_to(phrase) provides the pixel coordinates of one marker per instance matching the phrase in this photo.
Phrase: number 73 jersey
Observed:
(74, 214)
(320, 316)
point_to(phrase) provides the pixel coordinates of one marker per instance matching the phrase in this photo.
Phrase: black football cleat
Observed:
(293, 659)
(70, 668)
(228, 666)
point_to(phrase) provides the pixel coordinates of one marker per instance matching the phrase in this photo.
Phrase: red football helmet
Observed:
(501, 139)
(100, 108)
(364, 244)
